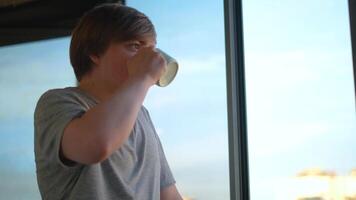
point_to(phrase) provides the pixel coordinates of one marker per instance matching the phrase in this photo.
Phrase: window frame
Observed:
(236, 101)
(352, 14)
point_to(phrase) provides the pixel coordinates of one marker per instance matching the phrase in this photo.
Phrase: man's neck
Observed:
(97, 89)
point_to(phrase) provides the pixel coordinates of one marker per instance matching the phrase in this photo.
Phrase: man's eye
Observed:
(135, 46)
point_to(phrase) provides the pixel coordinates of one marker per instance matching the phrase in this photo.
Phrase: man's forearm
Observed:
(112, 121)
(104, 128)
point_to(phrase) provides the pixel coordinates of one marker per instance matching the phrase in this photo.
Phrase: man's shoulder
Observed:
(58, 92)
(144, 109)
(55, 97)
(144, 112)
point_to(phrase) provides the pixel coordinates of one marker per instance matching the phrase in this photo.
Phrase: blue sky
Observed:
(300, 96)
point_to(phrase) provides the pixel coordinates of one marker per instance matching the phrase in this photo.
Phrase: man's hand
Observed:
(147, 64)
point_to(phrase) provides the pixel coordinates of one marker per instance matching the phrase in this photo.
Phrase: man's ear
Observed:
(95, 59)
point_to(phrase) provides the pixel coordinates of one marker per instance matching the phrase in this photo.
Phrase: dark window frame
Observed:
(352, 14)
(236, 101)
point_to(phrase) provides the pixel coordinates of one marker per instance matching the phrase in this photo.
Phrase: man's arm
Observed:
(170, 193)
(103, 129)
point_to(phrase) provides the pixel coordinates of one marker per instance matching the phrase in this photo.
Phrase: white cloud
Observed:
(210, 149)
(281, 69)
(286, 91)
(158, 98)
(269, 137)
(200, 65)
(23, 85)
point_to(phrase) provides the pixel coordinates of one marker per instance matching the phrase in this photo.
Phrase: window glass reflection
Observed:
(300, 98)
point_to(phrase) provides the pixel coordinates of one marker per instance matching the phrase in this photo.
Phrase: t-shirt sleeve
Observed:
(166, 176)
(54, 110)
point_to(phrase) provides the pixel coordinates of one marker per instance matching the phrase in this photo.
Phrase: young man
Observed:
(96, 141)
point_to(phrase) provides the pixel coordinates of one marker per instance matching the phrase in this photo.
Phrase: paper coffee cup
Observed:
(171, 70)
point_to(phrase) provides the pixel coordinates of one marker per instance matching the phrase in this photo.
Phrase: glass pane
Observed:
(26, 72)
(300, 99)
(190, 113)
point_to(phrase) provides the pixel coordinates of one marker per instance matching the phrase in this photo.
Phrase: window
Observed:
(190, 114)
(300, 99)
(299, 94)
(26, 71)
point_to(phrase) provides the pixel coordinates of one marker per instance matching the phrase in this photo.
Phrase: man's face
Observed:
(112, 64)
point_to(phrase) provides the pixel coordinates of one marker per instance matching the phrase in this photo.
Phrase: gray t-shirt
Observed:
(138, 170)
